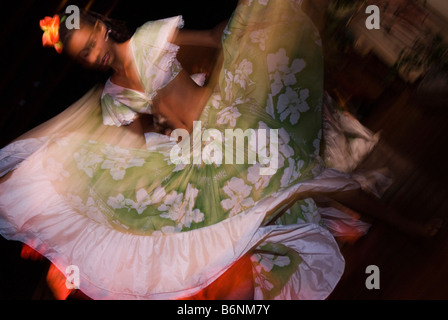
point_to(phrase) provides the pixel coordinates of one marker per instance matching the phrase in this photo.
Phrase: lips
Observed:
(105, 59)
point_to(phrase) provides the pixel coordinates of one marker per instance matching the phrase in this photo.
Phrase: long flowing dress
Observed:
(141, 222)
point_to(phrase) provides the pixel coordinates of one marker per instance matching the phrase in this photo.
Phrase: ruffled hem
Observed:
(118, 265)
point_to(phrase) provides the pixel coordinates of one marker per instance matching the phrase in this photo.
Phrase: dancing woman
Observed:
(166, 90)
(92, 188)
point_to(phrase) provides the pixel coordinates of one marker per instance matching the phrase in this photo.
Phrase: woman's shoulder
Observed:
(158, 30)
(174, 21)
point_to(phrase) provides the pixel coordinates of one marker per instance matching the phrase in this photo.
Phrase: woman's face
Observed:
(91, 47)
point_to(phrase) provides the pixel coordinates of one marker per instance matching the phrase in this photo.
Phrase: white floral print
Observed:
(285, 151)
(167, 230)
(228, 116)
(292, 172)
(242, 73)
(270, 106)
(267, 261)
(263, 264)
(143, 200)
(241, 77)
(89, 208)
(239, 194)
(260, 37)
(309, 212)
(216, 101)
(55, 170)
(228, 77)
(87, 161)
(280, 73)
(262, 281)
(259, 181)
(118, 160)
(291, 104)
(180, 208)
(286, 156)
(117, 202)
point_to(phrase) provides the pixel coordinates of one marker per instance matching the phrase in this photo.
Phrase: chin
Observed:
(103, 68)
(96, 67)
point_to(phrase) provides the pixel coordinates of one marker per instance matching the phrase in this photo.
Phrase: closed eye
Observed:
(84, 54)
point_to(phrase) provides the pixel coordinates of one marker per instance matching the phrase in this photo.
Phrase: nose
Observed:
(89, 59)
(92, 58)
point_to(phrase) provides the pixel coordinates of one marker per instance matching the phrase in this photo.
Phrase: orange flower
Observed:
(50, 38)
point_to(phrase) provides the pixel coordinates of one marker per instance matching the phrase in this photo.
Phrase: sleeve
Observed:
(115, 113)
(155, 55)
(157, 34)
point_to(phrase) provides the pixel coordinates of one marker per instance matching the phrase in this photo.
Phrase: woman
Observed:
(140, 221)
(177, 98)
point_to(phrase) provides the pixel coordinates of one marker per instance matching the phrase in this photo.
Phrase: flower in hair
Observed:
(50, 27)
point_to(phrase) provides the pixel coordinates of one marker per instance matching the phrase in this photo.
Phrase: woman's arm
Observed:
(203, 38)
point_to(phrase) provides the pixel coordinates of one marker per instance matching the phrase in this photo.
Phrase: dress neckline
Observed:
(134, 64)
(109, 82)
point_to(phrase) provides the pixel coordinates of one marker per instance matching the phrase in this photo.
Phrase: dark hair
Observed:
(119, 31)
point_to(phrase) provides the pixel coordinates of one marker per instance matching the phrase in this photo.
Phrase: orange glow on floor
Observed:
(235, 284)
